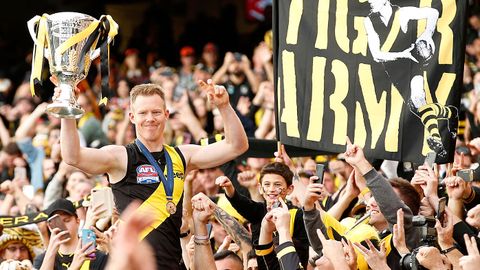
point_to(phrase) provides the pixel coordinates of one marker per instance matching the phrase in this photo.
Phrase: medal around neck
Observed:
(171, 207)
(168, 184)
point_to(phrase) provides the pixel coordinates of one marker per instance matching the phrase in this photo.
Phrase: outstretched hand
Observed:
(282, 157)
(217, 94)
(355, 156)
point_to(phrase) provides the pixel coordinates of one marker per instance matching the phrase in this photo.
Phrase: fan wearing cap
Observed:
(186, 81)
(67, 253)
(210, 57)
(133, 68)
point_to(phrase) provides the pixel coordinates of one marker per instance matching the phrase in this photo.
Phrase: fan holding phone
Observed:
(64, 247)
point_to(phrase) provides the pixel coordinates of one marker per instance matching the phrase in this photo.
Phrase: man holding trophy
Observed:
(133, 170)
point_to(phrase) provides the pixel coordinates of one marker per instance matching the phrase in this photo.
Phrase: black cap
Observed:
(63, 205)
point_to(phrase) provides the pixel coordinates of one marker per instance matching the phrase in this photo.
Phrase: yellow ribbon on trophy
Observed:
(73, 40)
(38, 52)
(110, 26)
(103, 30)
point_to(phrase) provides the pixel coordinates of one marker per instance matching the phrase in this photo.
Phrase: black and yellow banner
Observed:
(385, 73)
(16, 221)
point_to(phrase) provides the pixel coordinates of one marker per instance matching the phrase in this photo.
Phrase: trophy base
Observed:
(64, 111)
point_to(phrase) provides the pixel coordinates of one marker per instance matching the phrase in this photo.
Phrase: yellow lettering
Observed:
(323, 13)
(341, 25)
(294, 16)
(317, 102)
(6, 221)
(340, 72)
(40, 215)
(21, 219)
(445, 52)
(391, 135)
(421, 24)
(289, 113)
(360, 43)
(445, 87)
(376, 111)
(360, 129)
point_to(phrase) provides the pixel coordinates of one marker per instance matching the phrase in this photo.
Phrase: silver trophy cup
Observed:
(71, 65)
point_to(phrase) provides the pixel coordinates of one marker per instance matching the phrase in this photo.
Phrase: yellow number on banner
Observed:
(360, 43)
(393, 127)
(289, 113)
(294, 16)
(445, 53)
(323, 13)
(376, 110)
(340, 71)
(317, 102)
(341, 25)
(360, 133)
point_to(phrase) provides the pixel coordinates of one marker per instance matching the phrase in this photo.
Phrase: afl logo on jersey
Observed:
(146, 174)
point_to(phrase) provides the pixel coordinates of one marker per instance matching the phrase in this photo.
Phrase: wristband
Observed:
(470, 198)
(201, 242)
(364, 191)
(201, 237)
(445, 251)
(185, 234)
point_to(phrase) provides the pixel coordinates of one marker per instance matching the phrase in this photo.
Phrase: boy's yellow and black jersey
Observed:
(143, 183)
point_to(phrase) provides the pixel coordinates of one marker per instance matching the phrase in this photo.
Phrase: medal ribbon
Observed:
(167, 185)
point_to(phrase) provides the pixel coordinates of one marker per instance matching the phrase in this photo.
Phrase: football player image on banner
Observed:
(412, 55)
(386, 73)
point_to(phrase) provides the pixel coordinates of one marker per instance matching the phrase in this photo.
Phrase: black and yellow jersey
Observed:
(143, 183)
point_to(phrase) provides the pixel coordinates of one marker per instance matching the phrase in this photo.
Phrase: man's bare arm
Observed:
(111, 159)
(235, 142)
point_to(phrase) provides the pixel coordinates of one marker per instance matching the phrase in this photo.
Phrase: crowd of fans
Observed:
(251, 213)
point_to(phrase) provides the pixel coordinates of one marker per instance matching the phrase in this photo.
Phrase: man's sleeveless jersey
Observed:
(143, 183)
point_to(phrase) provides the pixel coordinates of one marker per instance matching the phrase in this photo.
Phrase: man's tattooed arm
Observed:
(239, 234)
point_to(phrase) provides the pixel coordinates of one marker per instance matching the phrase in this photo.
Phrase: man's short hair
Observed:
(227, 254)
(279, 169)
(408, 194)
(147, 89)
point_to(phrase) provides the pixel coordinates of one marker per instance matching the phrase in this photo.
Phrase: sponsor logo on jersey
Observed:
(146, 174)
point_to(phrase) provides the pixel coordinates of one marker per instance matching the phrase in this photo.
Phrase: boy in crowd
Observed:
(276, 183)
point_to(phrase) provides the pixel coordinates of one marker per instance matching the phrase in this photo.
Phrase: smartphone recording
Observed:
(319, 172)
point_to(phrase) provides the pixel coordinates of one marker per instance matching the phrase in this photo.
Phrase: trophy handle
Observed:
(31, 27)
(96, 52)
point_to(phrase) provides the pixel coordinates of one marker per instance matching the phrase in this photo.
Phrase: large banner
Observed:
(385, 73)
